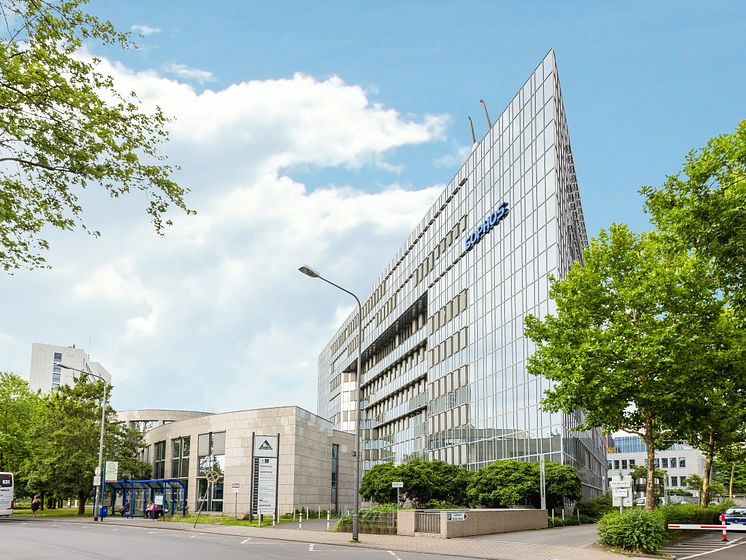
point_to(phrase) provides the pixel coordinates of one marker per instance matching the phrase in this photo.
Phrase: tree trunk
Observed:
(42, 501)
(650, 447)
(81, 503)
(730, 485)
(709, 456)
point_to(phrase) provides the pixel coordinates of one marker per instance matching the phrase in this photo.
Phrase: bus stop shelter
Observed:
(170, 494)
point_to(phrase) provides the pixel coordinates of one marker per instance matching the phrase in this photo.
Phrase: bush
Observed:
(594, 509)
(377, 519)
(636, 530)
(689, 513)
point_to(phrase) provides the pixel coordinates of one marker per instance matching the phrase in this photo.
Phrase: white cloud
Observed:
(145, 30)
(216, 312)
(189, 73)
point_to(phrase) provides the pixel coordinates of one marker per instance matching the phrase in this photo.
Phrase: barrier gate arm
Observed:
(722, 527)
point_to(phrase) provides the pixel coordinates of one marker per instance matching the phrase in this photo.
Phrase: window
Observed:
(674, 481)
(631, 463)
(664, 462)
(624, 464)
(682, 481)
(335, 469)
(211, 456)
(616, 464)
(682, 462)
(656, 463)
(159, 460)
(610, 464)
(56, 369)
(673, 462)
(180, 457)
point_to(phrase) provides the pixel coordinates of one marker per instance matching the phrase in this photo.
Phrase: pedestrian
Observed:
(125, 507)
(150, 510)
(35, 505)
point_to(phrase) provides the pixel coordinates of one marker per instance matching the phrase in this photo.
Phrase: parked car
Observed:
(736, 515)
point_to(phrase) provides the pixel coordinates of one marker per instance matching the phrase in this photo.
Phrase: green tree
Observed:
(563, 483)
(730, 467)
(701, 209)
(64, 127)
(426, 481)
(19, 408)
(376, 484)
(625, 335)
(66, 440)
(505, 483)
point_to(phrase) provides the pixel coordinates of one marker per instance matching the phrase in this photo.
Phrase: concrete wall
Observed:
(478, 522)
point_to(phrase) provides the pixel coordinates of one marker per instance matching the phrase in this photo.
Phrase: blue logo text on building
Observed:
(488, 223)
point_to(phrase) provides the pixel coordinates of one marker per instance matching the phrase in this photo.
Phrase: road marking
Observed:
(245, 540)
(718, 549)
(310, 547)
(392, 553)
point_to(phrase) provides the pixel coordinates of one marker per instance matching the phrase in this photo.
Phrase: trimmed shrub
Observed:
(689, 513)
(636, 530)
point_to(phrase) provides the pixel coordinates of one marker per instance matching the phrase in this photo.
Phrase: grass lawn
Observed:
(24, 510)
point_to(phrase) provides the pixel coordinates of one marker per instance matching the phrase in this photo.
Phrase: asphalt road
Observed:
(709, 545)
(46, 540)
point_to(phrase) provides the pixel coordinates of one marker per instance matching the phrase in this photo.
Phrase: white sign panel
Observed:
(97, 481)
(112, 471)
(457, 517)
(265, 446)
(266, 485)
(158, 499)
(397, 485)
(620, 492)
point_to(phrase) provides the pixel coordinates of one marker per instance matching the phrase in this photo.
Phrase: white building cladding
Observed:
(46, 372)
(315, 465)
(444, 356)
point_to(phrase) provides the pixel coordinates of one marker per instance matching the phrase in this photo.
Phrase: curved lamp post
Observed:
(308, 271)
(101, 436)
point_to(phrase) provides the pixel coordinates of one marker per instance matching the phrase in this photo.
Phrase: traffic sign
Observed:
(212, 476)
(236, 485)
(97, 471)
(397, 485)
(97, 481)
(457, 517)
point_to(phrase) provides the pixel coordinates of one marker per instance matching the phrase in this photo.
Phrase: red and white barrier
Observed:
(722, 527)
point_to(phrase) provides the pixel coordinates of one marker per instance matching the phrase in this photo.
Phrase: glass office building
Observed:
(444, 356)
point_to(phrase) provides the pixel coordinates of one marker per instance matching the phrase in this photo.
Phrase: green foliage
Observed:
(65, 442)
(424, 481)
(66, 127)
(19, 409)
(505, 483)
(730, 467)
(594, 509)
(376, 484)
(690, 513)
(636, 530)
(563, 483)
(701, 209)
(632, 332)
(377, 519)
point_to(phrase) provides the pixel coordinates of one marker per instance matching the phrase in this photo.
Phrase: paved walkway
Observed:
(504, 550)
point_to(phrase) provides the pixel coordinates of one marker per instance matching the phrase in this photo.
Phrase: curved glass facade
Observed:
(444, 356)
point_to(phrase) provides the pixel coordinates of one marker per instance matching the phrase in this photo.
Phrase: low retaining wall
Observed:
(469, 522)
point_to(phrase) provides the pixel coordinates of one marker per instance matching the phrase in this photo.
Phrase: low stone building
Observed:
(313, 464)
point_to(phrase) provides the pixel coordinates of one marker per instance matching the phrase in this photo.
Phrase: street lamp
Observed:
(308, 271)
(101, 436)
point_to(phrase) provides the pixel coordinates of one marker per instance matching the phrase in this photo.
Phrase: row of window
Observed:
(449, 382)
(427, 265)
(382, 384)
(659, 462)
(56, 369)
(457, 341)
(449, 311)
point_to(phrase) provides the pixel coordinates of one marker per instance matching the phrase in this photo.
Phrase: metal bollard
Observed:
(273, 519)
(260, 520)
(327, 520)
(300, 520)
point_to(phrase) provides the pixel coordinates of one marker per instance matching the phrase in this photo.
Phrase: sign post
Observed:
(620, 492)
(236, 486)
(265, 475)
(397, 485)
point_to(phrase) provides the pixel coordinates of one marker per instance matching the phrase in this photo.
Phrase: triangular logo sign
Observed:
(265, 446)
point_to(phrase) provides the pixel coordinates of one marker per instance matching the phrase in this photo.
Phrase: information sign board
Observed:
(457, 516)
(111, 471)
(397, 485)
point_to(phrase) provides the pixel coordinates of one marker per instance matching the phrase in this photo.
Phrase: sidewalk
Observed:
(429, 545)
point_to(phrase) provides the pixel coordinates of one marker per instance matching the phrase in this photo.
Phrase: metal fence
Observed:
(427, 522)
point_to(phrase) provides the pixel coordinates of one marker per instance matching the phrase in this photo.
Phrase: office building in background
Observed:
(444, 355)
(46, 372)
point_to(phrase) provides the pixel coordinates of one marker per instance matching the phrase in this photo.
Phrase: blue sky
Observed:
(320, 132)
